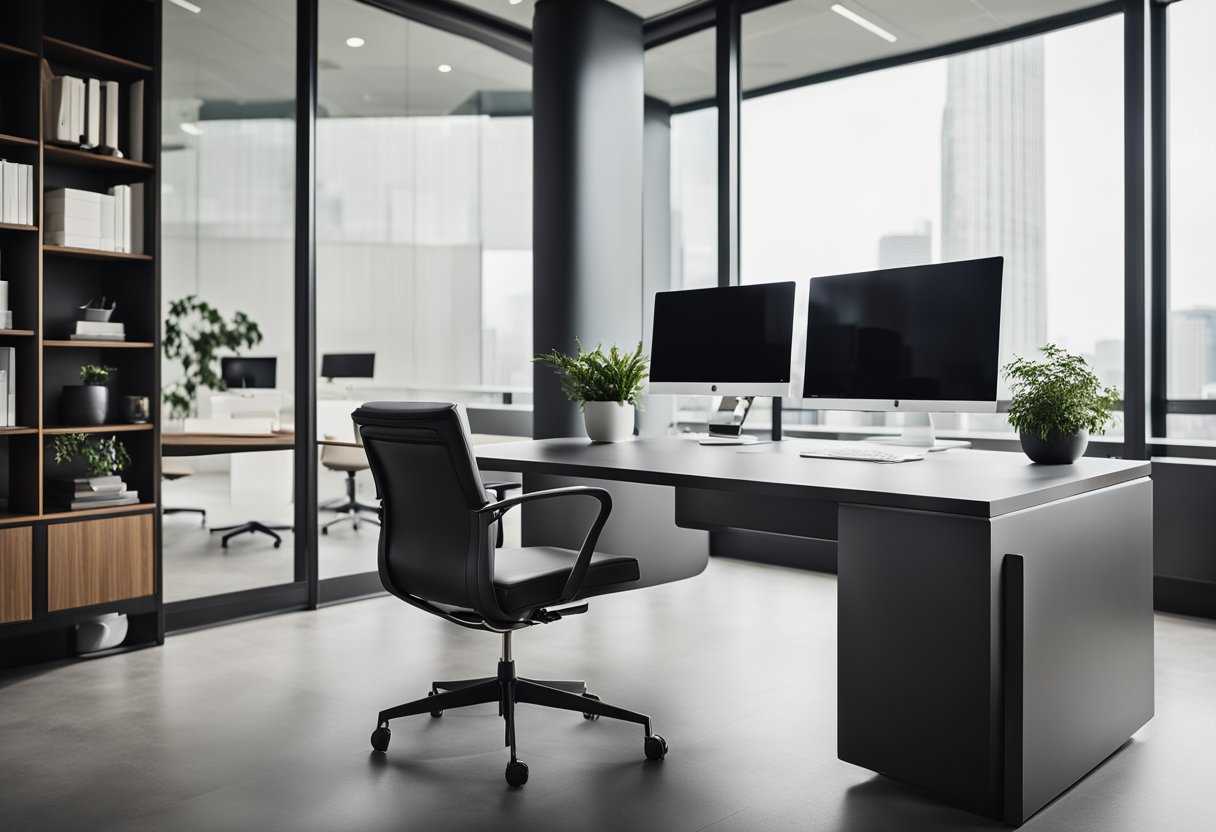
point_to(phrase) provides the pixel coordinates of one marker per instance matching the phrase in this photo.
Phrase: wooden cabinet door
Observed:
(16, 574)
(95, 561)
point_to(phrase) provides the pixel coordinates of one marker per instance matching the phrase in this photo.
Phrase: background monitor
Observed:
(256, 373)
(922, 338)
(732, 341)
(348, 365)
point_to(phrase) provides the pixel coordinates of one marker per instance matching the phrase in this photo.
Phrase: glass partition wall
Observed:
(424, 250)
(228, 197)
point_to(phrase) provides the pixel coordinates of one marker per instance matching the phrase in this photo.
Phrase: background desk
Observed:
(205, 444)
(995, 616)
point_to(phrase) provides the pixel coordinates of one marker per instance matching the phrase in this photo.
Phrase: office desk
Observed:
(206, 444)
(995, 616)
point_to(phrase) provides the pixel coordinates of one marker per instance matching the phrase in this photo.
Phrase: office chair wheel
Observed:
(380, 738)
(586, 715)
(517, 773)
(278, 543)
(656, 747)
(324, 531)
(440, 713)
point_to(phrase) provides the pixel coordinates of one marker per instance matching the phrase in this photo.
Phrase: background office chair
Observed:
(436, 554)
(350, 460)
(176, 470)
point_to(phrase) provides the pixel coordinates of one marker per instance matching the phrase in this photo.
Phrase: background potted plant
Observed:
(195, 333)
(606, 385)
(1057, 403)
(86, 405)
(102, 455)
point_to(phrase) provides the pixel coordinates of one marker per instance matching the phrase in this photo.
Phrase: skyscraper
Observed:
(993, 200)
(1192, 353)
(913, 248)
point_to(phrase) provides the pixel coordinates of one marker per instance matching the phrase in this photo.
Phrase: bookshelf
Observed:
(59, 567)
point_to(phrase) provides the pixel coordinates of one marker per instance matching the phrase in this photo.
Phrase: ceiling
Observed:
(798, 38)
(242, 51)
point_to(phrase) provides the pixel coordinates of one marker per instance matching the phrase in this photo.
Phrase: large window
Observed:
(1013, 150)
(1191, 328)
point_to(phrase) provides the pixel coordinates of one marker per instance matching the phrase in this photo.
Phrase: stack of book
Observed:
(85, 111)
(99, 331)
(91, 492)
(16, 193)
(103, 222)
(8, 387)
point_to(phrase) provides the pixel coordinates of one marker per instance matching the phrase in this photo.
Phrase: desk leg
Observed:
(996, 708)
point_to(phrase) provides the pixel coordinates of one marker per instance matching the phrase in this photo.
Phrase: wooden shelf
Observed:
(95, 512)
(120, 345)
(120, 428)
(23, 332)
(92, 254)
(10, 51)
(17, 431)
(74, 157)
(17, 519)
(14, 226)
(17, 141)
(81, 57)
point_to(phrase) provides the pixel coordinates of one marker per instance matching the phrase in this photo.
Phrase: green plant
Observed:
(195, 332)
(1058, 395)
(96, 373)
(598, 376)
(102, 455)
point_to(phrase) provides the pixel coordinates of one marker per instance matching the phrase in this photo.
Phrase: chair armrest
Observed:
(501, 487)
(579, 571)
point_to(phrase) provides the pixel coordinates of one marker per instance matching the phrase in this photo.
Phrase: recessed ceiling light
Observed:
(355, 43)
(184, 4)
(445, 68)
(190, 128)
(868, 25)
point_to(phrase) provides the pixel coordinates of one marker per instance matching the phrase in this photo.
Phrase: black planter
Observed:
(1057, 449)
(83, 405)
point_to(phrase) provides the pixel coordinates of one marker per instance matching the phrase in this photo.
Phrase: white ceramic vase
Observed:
(608, 421)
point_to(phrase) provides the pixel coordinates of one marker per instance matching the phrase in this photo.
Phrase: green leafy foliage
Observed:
(96, 373)
(195, 333)
(102, 455)
(1058, 395)
(598, 376)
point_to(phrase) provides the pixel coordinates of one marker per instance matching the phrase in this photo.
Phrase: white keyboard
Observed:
(862, 453)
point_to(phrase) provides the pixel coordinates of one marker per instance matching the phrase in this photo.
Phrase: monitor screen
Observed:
(348, 365)
(890, 339)
(734, 340)
(255, 373)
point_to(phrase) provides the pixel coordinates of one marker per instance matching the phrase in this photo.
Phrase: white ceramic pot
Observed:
(608, 421)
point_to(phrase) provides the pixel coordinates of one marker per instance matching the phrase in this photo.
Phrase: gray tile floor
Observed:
(264, 725)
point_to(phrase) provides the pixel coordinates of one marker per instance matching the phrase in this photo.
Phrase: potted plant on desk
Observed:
(606, 385)
(1057, 403)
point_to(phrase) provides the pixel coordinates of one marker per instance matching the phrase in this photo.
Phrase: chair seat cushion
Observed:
(525, 579)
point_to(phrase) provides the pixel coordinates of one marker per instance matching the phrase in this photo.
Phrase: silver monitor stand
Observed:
(918, 433)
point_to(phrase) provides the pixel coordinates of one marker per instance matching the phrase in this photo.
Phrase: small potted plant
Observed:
(1057, 403)
(606, 385)
(103, 456)
(86, 405)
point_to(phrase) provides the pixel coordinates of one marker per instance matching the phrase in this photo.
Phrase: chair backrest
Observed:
(434, 545)
(342, 456)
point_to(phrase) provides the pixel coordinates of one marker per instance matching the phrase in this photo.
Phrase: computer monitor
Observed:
(921, 338)
(728, 341)
(248, 373)
(348, 365)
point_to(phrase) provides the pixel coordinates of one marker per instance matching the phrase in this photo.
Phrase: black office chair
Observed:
(437, 553)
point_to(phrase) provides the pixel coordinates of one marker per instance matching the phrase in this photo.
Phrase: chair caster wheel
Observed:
(440, 713)
(587, 715)
(324, 531)
(380, 738)
(517, 773)
(656, 747)
(278, 543)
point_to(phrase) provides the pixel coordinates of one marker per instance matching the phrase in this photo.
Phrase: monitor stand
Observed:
(918, 433)
(730, 432)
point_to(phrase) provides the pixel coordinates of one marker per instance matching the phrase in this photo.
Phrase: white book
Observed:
(76, 336)
(61, 113)
(137, 218)
(3, 170)
(10, 192)
(109, 136)
(106, 225)
(28, 196)
(58, 221)
(126, 218)
(93, 110)
(76, 119)
(65, 238)
(100, 328)
(5, 421)
(8, 361)
(135, 122)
